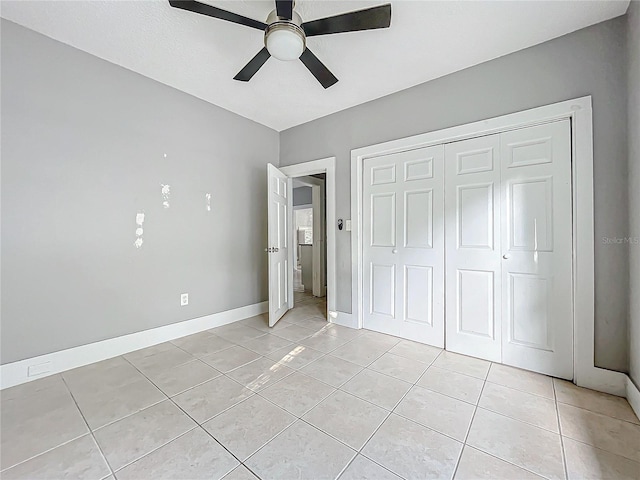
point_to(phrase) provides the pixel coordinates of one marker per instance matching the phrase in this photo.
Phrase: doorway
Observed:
(309, 239)
(301, 245)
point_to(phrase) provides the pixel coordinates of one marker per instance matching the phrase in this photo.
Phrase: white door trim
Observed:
(328, 167)
(579, 110)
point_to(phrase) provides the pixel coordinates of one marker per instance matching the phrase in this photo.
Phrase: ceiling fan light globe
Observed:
(285, 44)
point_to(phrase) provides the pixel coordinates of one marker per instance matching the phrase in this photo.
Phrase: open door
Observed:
(279, 190)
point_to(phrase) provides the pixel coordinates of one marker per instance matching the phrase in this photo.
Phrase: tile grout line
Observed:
(347, 466)
(509, 416)
(562, 451)
(291, 413)
(266, 385)
(338, 388)
(369, 401)
(600, 450)
(154, 450)
(524, 391)
(104, 457)
(300, 418)
(387, 417)
(529, 425)
(505, 461)
(480, 449)
(275, 334)
(473, 416)
(341, 472)
(348, 361)
(46, 451)
(597, 413)
(518, 420)
(198, 425)
(449, 369)
(381, 466)
(392, 412)
(130, 414)
(199, 357)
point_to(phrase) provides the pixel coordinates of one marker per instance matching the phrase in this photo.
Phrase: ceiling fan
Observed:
(285, 34)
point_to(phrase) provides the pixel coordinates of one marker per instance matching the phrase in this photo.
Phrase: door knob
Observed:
(394, 251)
(506, 256)
(275, 249)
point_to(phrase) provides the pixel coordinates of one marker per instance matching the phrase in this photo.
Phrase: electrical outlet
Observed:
(184, 299)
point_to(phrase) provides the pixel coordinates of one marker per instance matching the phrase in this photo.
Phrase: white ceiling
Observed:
(200, 55)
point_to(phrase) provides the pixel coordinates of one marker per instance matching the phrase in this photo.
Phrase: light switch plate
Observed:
(348, 225)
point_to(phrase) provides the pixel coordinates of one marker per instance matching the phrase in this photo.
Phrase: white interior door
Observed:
(403, 245)
(279, 193)
(537, 313)
(473, 264)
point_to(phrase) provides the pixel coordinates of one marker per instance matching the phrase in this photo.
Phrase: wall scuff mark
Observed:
(166, 193)
(139, 230)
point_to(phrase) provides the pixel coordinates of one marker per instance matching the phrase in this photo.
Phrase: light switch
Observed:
(348, 225)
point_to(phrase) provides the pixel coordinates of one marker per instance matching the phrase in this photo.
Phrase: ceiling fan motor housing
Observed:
(284, 39)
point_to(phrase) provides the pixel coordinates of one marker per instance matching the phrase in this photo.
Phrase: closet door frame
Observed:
(579, 112)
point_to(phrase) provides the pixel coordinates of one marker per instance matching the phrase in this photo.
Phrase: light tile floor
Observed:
(310, 400)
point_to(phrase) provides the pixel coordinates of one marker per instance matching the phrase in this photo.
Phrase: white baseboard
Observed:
(18, 372)
(633, 396)
(343, 319)
(602, 380)
(609, 381)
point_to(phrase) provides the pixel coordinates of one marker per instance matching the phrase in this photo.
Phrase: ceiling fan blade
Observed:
(367, 19)
(253, 66)
(318, 69)
(284, 8)
(211, 11)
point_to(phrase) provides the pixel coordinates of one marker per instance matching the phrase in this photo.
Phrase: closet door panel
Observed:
(403, 244)
(473, 276)
(537, 306)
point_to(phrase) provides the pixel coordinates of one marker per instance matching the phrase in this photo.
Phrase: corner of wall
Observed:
(633, 126)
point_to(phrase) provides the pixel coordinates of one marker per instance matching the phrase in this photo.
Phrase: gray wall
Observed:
(83, 144)
(633, 42)
(587, 62)
(302, 196)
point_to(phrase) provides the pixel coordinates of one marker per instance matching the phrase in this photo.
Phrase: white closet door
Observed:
(473, 274)
(403, 245)
(537, 312)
